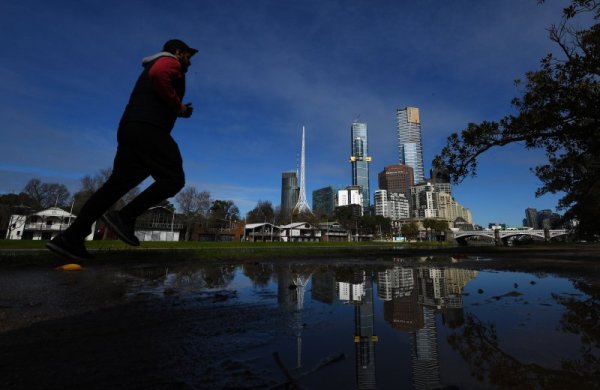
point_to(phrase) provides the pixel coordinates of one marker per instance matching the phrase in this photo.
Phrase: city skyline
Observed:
(263, 71)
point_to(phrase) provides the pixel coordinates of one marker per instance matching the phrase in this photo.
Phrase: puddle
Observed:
(400, 325)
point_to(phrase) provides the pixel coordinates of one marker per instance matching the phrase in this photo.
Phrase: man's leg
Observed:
(127, 173)
(161, 155)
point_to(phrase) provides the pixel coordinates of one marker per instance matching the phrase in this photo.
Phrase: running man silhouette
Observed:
(145, 148)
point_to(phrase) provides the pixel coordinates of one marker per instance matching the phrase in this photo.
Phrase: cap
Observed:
(177, 44)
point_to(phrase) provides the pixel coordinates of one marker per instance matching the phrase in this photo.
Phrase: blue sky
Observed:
(264, 70)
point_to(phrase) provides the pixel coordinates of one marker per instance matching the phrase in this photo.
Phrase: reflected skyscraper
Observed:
(290, 296)
(425, 360)
(412, 299)
(410, 143)
(360, 161)
(364, 335)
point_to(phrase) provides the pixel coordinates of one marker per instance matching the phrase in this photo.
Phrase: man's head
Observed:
(174, 45)
(181, 50)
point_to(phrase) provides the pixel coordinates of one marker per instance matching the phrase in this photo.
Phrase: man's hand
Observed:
(185, 110)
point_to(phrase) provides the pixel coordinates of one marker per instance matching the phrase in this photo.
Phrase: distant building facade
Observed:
(350, 195)
(158, 224)
(441, 180)
(396, 179)
(43, 225)
(391, 205)
(449, 209)
(399, 206)
(410, 144)
(381, 203)
(543, 219)
(289, 191)
(324, 201)
(360, 160)
(531, 217)
(423, 204)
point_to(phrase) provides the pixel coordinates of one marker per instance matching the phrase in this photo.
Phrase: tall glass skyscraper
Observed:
(289, 191)
(360, 160)
(410, 144)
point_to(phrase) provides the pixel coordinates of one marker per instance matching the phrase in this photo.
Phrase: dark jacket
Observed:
(156, 97)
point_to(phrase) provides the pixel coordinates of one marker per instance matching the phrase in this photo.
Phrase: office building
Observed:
(351, 196)
(360, 161)
(381, 203)
(449, 209)
(399, 206)
(323, 201)
(410, 144)
(391, 205)
(396, 179)
(441, 180)
(531, 217)
(289, 191)
(422, 201)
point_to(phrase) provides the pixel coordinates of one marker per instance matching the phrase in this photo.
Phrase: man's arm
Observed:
(163, 74)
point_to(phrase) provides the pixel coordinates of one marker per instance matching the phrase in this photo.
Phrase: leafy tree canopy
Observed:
(222, 210)
(410, 230)
(263, 212)
(558, 112)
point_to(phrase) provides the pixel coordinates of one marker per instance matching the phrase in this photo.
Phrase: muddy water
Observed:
(392, 325)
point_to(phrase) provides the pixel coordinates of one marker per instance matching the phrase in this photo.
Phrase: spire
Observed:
(302, 205)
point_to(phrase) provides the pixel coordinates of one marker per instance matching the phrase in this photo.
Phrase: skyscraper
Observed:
(410, 144)
(531, 217)
(360, 160)
(324, 200)
(289, 191)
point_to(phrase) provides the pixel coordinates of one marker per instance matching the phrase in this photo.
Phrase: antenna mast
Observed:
(302, 205)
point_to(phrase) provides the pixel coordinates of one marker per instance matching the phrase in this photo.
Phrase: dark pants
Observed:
(143, 150)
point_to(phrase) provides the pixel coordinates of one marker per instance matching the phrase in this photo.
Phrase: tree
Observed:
(222, 211)
(263, 212)
(559, 112)
(410, 230)
(47, 195)
(376, 224)
(194, 206)
(428, 223)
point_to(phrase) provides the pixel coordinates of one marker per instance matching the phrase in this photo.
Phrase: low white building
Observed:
(300, 232)
(263, 231)
(43, 225)
(158, 224)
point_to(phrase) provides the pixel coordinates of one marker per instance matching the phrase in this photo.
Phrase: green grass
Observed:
(115, 244)
(210, 251)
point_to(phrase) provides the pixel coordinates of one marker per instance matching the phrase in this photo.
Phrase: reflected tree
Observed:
(218, 276)
(478, 344)
(583, 318)
(259, 274)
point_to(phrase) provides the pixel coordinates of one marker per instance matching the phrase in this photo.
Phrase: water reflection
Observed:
(463, 328)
